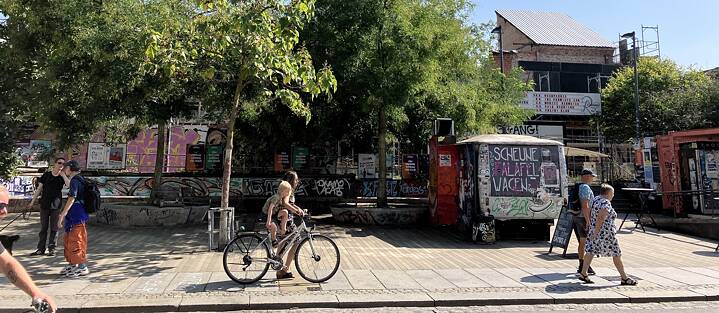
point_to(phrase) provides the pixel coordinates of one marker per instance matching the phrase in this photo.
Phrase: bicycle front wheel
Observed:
(317, 258)
(246, 258)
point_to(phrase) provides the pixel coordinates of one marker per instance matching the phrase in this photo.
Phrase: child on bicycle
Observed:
(281, 204)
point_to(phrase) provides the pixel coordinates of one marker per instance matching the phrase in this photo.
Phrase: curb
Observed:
(260, 302)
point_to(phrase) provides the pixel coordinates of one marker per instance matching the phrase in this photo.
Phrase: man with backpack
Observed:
(73, 217)
(579, 208)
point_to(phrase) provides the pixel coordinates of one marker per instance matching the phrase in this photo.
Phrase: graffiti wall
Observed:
(395, 188)
(258, 187)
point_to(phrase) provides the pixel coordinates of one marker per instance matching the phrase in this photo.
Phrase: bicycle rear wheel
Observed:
(245, 259)
(317, 258)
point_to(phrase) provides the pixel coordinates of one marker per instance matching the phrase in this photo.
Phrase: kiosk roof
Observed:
(510, 140)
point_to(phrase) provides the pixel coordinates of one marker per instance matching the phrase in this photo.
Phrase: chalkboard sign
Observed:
(523, 171)
(563, 231)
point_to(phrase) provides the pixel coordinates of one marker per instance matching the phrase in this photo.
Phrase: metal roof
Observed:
(554, 29)
(511, 140)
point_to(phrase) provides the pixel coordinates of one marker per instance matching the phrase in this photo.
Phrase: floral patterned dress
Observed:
(606, 243)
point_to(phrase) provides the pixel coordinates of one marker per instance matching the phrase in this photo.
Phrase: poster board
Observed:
(282, 161)
(37, 150)
(366, 166)
(195, 158)
(562, 231)
(213, 158)
(299, 157)
(102, 156)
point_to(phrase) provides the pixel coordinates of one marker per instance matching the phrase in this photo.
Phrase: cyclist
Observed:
(288, 202)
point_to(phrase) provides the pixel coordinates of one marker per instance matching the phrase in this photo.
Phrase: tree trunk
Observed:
(159, 160)
(382, 180)
(225, 224)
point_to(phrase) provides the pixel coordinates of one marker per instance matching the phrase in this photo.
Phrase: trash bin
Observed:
(220, 227)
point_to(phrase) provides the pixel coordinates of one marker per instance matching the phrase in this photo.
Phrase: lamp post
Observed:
(498, 30)
(636, 83)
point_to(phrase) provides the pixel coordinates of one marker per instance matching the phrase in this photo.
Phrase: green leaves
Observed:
(671, 99)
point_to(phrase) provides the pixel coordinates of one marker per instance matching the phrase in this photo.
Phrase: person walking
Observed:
(74, 217)
(14, 271)
(50, 191)
(603, 239)
(580, 211)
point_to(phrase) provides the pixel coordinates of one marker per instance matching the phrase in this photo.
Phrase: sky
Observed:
(688, 30)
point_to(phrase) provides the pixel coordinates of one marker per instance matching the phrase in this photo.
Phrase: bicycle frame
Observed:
(301, 231)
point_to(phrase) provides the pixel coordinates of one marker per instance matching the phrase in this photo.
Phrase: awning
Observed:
(571, 151)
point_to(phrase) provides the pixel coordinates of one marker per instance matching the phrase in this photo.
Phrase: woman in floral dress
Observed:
(602, 239)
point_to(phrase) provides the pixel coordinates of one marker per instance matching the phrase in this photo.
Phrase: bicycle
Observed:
(249, 249)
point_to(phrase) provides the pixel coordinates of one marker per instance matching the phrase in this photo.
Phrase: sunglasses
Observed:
(60, 163)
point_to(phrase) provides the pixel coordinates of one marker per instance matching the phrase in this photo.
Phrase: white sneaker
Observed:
(77, 271)
(66, 269)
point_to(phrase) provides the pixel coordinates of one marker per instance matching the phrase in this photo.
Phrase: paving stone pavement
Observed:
(157, 269)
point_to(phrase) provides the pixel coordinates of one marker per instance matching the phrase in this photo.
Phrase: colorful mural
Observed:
(141, 151)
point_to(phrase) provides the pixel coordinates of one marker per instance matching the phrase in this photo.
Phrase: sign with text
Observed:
(282, 161)
(299, 157)
(562, 231)
(563, 103)
(195, 158)
(553, 132)
(409, 166)
(524, 170)
(102, 156)
(213, 158)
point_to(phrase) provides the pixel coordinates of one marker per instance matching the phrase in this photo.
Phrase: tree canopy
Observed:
(406, 62)
(247, 55)
(671, 99)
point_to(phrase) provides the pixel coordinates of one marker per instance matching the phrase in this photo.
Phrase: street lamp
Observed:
(636, 83)
(498, 30)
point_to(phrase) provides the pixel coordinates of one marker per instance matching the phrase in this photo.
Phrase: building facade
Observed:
(569, 65)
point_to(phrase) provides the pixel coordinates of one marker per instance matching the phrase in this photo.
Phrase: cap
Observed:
(585, 171)
(73, 165)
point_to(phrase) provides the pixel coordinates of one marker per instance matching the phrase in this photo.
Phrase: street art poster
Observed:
(195, 161)
(366, 166)
(37, 152)
(106, 157)
(299, 157)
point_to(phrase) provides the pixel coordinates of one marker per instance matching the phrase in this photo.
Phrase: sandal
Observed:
(629, 282)
(585, 278)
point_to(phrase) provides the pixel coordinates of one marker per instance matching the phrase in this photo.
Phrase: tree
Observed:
(246, 53)
(671, 99)
(406, 62)
(77, 69)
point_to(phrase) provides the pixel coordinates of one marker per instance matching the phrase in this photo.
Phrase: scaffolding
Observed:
(650, 41)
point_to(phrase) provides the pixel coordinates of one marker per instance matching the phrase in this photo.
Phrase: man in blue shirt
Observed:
(580, 210)
(73, 217)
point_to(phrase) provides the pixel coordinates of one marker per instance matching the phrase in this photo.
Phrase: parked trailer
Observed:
(519, 180)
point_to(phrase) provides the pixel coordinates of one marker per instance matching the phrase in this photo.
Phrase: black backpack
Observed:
(91, 195)
(574, 204)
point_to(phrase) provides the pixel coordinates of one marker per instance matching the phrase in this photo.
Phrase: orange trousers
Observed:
(76, 245)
